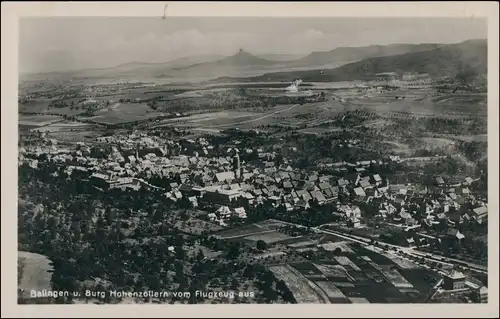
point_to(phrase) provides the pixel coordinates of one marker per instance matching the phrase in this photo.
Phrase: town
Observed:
(220, 187)
(350, 174)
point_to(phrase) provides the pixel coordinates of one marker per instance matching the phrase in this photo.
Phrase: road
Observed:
(400, 250)
(259, 118)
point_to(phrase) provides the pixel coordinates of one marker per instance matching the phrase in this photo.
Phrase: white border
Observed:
(10, 13)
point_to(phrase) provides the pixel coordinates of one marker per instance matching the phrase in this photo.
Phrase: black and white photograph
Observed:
(252, 160)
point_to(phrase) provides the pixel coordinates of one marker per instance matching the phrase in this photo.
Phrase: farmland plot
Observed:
(304, 291)
(332, 291)
(344, 261)
(269, 237)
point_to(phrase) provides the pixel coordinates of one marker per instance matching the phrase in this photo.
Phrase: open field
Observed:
(67, 136)
(122, 113)
(242, 231)
(422, 279)
(35, 272)
(423, 103)
(38, 120)
(270, 224)
(334, 293)
(65, 126)
(331, 246)
(268, 238)
(197, 93)
(320, 130)
(303, 289)
(358, 300)
(345, 261)
(333, 271)
(37, 106)
(472, 138)
(393, 276)
(396, 279)
(401, 262)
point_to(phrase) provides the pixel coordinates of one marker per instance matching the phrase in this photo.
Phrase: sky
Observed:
(73, 43)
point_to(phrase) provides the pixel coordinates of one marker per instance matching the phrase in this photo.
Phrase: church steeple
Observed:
(237, 164)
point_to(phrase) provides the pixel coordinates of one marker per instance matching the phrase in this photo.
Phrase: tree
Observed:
(234, 284)
(261, 245)
(337, 251)
(200, 255)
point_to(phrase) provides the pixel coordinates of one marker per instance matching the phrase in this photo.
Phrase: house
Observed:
(247, 176)
(186, 189)
(397, 189)
(288, 207)
(439, 181)
(360, 169)
(468, 181)
(377, 179)
(100, 180)
(365, 163)
(329, 195)
(411, 221)
(359, 194)
(224, 177)
(257, 192)
(454, 280)
(373, 192)
(482, 295)
(223, 212)
(479, 214)
(365, 184)
(250, 199)
(235, 187)
(212, 217)
(400, 199)
(287, 185)
(441, 216)
(354, 221)
(177, 195)
(221, 196)
(304, 195)
(318, 197)
(194, 201)
(465, 191)
(405, 215)
(240, 212)
(302, 204)
(342, 182)
(455, 233)
(323, 186)
(173, 185)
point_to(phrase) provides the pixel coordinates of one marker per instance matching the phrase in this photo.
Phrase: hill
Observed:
(343, 55)
(242, 63)
(132, 68)
(469, 57)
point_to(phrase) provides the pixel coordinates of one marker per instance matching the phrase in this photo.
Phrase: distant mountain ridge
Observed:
(352, 54)
(339, 64)
(448, 60)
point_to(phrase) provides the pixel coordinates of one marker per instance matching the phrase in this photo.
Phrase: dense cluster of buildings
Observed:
(231, 178)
